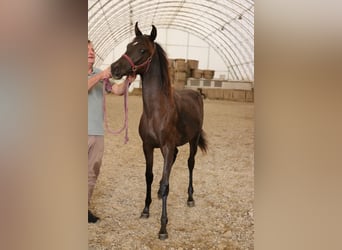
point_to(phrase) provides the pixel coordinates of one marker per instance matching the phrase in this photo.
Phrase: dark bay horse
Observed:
(170, 117)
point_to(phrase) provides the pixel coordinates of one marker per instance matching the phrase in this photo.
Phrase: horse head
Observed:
(138, 55)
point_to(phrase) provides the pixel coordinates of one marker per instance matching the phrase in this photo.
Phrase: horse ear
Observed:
(137, 30)
(153, 34)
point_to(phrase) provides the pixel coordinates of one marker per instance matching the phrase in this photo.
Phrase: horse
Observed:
(170, 117)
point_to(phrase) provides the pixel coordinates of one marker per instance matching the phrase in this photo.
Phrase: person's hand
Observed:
(106, 73)
(130, 78)
(119, 88)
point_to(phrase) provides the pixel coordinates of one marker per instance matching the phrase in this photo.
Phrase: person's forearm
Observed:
(98, 77)
(92, 81)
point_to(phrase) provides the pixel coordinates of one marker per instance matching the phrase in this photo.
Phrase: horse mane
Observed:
(164, 69)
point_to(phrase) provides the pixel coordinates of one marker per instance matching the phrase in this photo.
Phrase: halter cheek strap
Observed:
(136, 67)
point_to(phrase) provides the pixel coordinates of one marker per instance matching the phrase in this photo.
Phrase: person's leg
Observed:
(95, 154)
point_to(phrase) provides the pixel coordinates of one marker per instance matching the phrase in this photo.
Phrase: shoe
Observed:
(92, 218)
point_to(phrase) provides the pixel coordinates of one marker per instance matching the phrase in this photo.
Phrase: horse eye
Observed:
(142, 51)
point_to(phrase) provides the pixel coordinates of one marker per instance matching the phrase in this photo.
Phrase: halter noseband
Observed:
(136, 67)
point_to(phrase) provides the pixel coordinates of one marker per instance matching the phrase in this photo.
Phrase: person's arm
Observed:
(92, 81)
(119, 89)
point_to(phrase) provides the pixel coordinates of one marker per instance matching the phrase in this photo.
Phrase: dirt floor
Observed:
(223, 185)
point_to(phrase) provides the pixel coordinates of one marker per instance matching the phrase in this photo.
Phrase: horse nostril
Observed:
(116, 72)
(112, 69)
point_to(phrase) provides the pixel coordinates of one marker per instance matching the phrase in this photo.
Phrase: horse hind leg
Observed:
(191, 164)
(175, 155)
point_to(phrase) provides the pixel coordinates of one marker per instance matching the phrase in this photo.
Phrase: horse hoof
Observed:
(145, 215)
(191, 203)
(163, 236)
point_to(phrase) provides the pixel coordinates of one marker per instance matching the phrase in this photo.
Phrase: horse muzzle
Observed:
(115, 70)
(120, 69)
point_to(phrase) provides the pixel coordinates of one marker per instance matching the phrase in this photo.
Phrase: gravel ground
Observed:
(223, 182)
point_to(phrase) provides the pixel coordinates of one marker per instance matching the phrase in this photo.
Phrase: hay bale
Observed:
(197, 73)
(171, 63)
(180, 65)
(180, 76)
(179, 84)
(192, 64)
(208, 74)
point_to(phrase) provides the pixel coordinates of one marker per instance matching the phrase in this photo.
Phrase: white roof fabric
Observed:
(226, 25)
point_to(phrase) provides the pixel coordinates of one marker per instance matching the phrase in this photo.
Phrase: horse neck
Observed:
(154, 96)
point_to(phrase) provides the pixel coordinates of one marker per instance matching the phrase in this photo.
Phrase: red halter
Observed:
(136, 67)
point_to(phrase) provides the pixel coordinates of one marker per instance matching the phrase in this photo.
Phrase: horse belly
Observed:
(189, 126)
(187, 134)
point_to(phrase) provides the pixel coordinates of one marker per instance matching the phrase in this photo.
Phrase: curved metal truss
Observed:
(226, 25)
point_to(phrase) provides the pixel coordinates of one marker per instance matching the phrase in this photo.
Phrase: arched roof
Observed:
(227, 25)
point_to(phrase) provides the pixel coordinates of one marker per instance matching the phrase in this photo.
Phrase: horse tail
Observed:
(203, 142)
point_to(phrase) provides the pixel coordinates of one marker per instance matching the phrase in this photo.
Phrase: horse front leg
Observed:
(163, 192)
(148, 152)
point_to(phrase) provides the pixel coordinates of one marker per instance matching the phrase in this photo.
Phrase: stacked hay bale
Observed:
(208, 74)
(197, 73)
(181, 69)
(202, 73)
(193, 68)
(180, 73)
(171, 70)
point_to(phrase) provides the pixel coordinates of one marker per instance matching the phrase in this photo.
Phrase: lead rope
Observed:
(125, 126)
